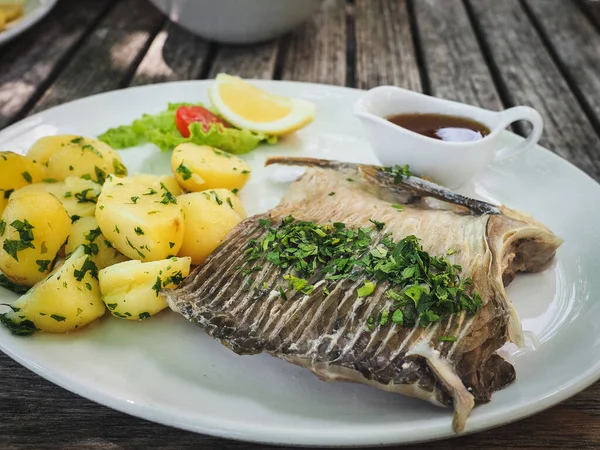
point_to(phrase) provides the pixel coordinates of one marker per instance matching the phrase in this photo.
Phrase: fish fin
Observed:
(462, 400)
(423, 188)
(387, 180)
(312, 162)
(515, 330)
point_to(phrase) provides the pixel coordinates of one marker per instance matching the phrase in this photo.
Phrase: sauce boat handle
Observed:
(520, 113)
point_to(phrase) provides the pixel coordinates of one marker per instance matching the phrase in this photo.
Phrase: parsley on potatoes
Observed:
(84, 234)
(69, 156)
(33, 228)
(17, 171)
(208, 217)
(66, 300)
(200, 167)
(77, 195)
(131, 290)
(142, 220)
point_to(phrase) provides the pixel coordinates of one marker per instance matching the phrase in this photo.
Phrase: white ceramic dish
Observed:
(238, 21)
(33, 12)
(449, 163)
(169, 371)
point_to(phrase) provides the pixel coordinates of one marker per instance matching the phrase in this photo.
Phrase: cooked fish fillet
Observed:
(327, 331)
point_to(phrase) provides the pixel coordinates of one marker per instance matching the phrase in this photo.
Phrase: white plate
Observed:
(169, 371)
(33, 11)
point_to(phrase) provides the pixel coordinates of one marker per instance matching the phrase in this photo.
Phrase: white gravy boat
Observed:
(450, 164)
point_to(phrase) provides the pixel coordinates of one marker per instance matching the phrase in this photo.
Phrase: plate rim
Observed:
(435, 431)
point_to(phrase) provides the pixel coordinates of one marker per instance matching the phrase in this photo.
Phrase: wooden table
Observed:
(493, 53)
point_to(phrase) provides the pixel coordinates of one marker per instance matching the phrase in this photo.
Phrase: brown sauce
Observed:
(442, 127)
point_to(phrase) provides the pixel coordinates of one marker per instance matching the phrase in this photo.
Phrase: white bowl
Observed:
(238, 21)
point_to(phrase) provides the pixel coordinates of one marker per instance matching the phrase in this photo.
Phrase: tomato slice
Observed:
(185, 115)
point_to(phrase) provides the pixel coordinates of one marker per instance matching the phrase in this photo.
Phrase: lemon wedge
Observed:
(251, 108)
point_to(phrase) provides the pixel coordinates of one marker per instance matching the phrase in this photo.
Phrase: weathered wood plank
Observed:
(255, 61)
(36, 414)
(453, 60)
(385, 52)
(317, 51)
(532, 78)
(592, 8)
(576, 42)
(109, 55)
(175, 54)
(28, 64)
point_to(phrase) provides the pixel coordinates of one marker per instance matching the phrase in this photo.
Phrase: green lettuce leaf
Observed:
(160, 130)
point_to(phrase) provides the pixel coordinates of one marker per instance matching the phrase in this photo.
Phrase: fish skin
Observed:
(327, 334)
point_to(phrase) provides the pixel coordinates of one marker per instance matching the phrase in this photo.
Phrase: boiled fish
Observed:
(329, 330)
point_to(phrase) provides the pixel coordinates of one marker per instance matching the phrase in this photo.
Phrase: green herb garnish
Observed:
(7, 284)
(93, 234)
(366, 289)
(82, 197)
(100, 174)
(157, 286)
(378, 225)
(23, 328)
(87, 266)
(92, 149)
(217, 199)
(43, 265)
(118, 167)
(424, 288)
(299, 284)
(27, 176)
(167, 196)
(12, 246)
(399, 172)
(184, 171)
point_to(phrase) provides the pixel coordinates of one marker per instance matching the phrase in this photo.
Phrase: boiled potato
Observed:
(208, 218)
(200, 167)
(155, 181)
(232, 200)
(66, 300)
(141, 221)
(131, 290)
(3, 201)
(86, 232)
(77, 195)
(68, 156)
(33, 228)
(45, 147)
(12, 10)
(16, 171)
